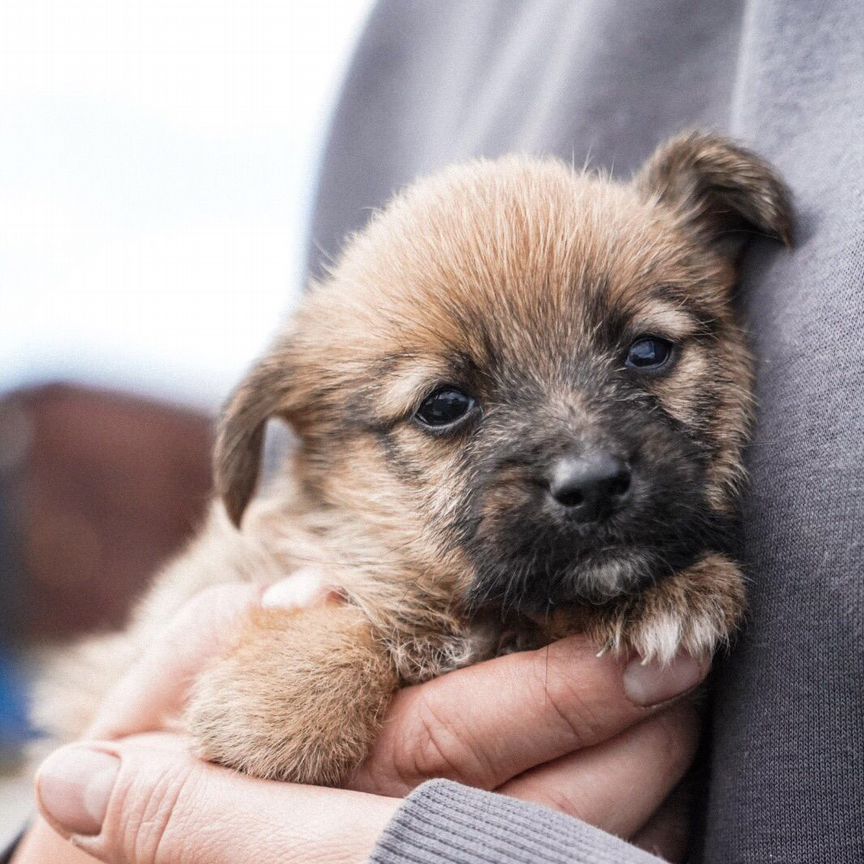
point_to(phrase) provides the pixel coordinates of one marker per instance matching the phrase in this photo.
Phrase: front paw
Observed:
(300, 698)
(696, 610)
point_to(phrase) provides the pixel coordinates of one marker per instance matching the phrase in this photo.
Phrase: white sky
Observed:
(157, 159)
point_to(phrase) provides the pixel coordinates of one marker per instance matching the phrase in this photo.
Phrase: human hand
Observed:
(554, 726)
(593, 737)
(147, 799)
(135, 791)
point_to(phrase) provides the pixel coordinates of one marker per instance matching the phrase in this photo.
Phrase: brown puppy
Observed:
(521, 399)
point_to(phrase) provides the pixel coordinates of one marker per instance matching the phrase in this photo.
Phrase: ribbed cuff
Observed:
(444, 823)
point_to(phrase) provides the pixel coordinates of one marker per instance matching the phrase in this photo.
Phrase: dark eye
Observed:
(649, 352)
(444, 407)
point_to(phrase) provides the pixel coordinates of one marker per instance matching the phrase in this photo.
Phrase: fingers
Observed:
(151, 695)
(488, 723)
(619, 784)
(42, 844)
(135, 801)
(667, 833)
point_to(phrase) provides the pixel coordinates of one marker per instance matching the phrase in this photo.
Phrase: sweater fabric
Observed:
(607, 80)
(444, 821)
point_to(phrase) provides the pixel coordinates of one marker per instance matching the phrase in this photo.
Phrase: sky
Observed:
(157, 161)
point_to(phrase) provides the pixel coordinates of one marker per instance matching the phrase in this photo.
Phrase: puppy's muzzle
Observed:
(590, 487)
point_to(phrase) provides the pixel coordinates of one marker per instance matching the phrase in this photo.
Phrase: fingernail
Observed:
(651, 683)
(73, 787)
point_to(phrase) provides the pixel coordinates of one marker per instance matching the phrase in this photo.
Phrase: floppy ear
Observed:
(722, 191)
(264, 393)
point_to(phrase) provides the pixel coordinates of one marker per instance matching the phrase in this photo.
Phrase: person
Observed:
(436, 83)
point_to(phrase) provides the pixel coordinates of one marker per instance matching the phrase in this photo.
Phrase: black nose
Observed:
(590, 486)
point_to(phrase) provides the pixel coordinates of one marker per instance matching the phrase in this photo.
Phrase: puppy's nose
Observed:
(590, 486)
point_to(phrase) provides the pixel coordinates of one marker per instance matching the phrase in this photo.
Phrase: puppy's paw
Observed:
(696, 610)
(303, 589)
(300, 698)
(659, 636)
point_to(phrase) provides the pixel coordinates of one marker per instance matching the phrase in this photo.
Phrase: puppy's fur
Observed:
(522, 283)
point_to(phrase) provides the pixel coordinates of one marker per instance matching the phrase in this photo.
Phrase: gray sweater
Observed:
(445, 822)
(432, 83)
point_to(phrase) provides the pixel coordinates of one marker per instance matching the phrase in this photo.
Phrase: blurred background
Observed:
(157, 165)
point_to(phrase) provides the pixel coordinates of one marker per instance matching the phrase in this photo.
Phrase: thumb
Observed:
(147, 800)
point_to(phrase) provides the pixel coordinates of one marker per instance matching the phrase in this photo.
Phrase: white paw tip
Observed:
(302, 589)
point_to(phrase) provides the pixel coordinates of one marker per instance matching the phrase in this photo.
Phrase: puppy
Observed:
(520, 400)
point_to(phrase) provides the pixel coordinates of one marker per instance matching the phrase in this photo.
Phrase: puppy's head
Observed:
(531, 371)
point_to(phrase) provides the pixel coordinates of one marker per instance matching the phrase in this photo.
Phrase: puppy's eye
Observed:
(444, 407)
(649, 353)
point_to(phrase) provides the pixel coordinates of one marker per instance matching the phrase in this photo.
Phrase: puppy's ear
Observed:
(721, 190)
(266, 392)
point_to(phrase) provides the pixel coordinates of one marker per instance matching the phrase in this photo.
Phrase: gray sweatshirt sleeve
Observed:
(444, 823)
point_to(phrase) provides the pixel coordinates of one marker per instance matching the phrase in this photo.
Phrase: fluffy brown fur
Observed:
(522, 283)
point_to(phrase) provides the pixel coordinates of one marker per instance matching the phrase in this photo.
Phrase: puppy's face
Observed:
(532, 374)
